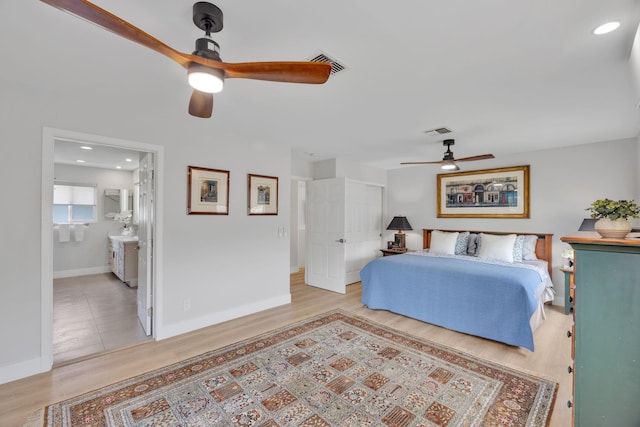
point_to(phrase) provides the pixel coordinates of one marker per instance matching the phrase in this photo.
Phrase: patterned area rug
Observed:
(330, 370)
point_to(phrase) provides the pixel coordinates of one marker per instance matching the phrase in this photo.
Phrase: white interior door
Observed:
(145, 242)
(363, 226)
(326, 234)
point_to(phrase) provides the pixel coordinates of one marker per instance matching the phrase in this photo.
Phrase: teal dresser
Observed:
(606, 336)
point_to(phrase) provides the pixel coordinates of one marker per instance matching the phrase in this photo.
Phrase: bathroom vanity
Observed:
(123, 258)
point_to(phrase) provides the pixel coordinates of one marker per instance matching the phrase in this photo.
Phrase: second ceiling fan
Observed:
(204, 66)
(448, 162)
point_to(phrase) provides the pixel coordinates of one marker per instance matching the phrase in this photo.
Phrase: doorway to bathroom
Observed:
(101, 299)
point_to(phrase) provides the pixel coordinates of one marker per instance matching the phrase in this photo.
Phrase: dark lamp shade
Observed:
(588, 224)
(399, 223)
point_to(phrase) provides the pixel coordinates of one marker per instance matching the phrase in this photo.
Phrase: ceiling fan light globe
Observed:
(203, 79)
(449, 166)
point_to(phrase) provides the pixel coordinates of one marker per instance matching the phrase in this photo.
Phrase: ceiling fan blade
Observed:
(201, 104)
(96, 15)
(292, 72)
(288, 72)
(480, 157)
(463, 159)
(422, 163)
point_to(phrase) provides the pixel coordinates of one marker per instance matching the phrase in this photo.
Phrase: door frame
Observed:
(49, 135)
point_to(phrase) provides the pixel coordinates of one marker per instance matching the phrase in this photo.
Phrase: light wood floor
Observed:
(550, 360)
(93, 314)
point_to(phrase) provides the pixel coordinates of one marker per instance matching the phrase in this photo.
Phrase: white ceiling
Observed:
(506, 76)
(76, 153)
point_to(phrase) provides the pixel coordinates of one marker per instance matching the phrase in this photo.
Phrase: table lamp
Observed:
(588, 224)
(400, 223)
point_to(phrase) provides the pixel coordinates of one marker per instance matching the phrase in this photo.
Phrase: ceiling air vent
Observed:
(438, 131)
(336, 67)
(442, 131)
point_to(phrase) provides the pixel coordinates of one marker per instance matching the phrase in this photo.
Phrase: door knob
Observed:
(341, 240)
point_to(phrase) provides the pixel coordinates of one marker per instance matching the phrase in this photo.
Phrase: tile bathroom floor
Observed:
(92, 315)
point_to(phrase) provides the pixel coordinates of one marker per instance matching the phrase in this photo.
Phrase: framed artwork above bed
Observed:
(486, 193)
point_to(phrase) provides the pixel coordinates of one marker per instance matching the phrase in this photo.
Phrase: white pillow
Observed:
(498, 248)
(529, 248)
(518, 248)
(443, 242)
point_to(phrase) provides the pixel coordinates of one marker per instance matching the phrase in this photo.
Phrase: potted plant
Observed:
(612, 216)
(124, 217)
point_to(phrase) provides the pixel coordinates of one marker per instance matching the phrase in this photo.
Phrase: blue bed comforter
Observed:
(494, 301)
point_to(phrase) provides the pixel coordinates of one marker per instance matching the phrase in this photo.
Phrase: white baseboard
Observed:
(190, 325)
(21, 370)
(80, 272)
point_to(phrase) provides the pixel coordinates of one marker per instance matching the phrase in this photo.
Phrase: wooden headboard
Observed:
(543, 245)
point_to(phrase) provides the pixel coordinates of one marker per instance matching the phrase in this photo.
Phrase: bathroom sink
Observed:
(125, 238)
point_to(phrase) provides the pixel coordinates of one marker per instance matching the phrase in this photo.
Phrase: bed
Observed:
(482, 292)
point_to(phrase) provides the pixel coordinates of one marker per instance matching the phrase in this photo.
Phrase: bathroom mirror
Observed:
(117, 200)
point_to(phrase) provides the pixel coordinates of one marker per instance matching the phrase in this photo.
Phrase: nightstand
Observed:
(389, 252)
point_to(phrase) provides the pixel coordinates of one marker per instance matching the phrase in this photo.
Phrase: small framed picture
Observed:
(262, 195)
(208, 191)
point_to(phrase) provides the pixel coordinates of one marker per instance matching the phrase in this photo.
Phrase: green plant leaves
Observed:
(614, 209)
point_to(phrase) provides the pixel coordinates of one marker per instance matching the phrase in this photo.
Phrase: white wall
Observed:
(335, 168)
(90, 256)
(227, 266)
(563, 183)
(634, 64)
(636, 222)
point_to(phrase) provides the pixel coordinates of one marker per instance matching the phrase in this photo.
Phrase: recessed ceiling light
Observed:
(606, 28)
(128, 160)
(79, 161)
(118, 167)
(84, 147)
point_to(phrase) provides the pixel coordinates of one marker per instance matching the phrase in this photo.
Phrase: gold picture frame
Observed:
(486, 193)
(262, 195)
(208, 191)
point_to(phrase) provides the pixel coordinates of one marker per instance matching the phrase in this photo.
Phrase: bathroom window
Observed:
(74, 203)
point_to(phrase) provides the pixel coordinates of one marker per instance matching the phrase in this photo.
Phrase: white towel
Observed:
(63, 233)
(78, 232)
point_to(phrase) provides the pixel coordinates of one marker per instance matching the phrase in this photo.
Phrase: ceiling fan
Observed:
(205, 68)
(448, 162)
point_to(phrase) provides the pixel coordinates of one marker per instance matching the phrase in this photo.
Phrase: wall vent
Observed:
(336, 67)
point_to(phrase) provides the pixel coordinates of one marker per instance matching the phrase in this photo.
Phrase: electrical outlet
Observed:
(186, 304)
